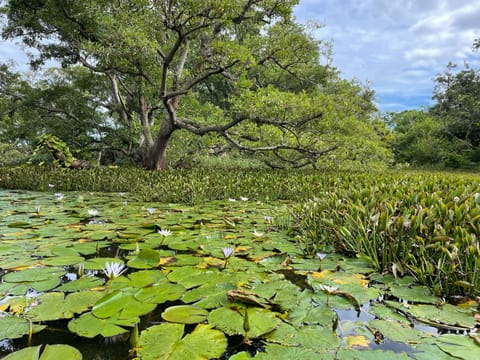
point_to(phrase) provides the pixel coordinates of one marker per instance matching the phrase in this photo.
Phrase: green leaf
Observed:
(15, 327)
(53, 306)
(121, 303)
(55, 352)
(160, 292)
(231, 320)
(90, 326)
(185, 314)
(165, 341)
(146, 259)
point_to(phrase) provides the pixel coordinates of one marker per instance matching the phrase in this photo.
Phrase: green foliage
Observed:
(243, 72)
(426, 226)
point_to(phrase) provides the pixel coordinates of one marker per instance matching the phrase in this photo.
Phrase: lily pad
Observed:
(54, 306)
(12, 327)
(160, 292)
(165, 341)
(185, 314)
(121, 303)
(459, 346)
(146, 259)
(88, 325)
(231, 320)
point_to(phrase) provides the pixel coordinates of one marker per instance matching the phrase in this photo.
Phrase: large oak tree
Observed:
(242, 70)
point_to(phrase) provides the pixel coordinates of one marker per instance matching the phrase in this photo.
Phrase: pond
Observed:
(103, 276)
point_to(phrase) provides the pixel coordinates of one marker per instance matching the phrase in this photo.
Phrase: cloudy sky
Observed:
(397, 46)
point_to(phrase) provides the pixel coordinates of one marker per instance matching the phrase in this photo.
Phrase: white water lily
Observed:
(113, 269)
(267, 219)
(92, 212)
(59, 196)
(232, 199)
(151, 211)
(328, 289)
(243, 198)
(321, 256)
(165, 232)
(37, 209)
(258, 233)
(51, 186)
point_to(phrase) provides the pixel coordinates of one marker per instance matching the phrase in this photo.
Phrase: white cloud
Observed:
(398, 46)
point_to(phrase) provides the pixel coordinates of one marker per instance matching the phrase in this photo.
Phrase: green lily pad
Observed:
(12, 327)
(54, 306)
(34, 274)
(414, 294)
(83, 283)
(123, 304)
(160, 292)
(231, 320)
(308, 337)
(396, 331)
(209, 296)
(459, 346)
(280, 352)
(165, 341)
(185, 314)
(446, 314)
(349, 354)
(146, 259)
(88, 325)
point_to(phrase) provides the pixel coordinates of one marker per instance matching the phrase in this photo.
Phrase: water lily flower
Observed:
(113, 269)
(59, 196)
(227, 253)
(320, 256)
(456, 199)
(92, 212)
(51, 186)
(328, 290)
(257, 233)
(122, 194)
(37, 209)
(151, 211)
(231, 199)
(243, 198)
(165, 232)
(81, 270)
(267, 219)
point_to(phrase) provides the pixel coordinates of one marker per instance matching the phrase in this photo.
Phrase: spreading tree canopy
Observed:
(241, 71)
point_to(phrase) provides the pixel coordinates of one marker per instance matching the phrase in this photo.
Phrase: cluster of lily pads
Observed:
(222, 280)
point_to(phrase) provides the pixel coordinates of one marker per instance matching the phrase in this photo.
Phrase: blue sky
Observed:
(397, 47)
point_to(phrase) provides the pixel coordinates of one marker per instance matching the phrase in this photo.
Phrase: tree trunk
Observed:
(158, 153)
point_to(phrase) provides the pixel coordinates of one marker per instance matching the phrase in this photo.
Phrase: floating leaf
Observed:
(53, 306)
(185, 314)
(160, 292)
(146, 259)
(459, 346)
(12, 327)
(165, 341)
(88, 325)
(123, 304)
(231, 320)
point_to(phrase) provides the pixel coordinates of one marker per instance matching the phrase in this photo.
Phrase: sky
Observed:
(397, 47)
